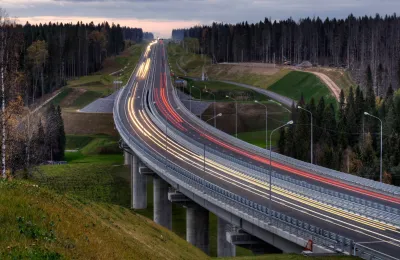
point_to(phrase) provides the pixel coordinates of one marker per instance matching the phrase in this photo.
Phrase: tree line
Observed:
(36, 60)
(346, 139)
(353, 43)
(52, 53)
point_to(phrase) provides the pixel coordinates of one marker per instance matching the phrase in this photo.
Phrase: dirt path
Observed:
(328, 82)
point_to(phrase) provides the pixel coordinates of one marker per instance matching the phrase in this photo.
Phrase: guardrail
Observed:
(348, 178)
(237, 205)
(339, 200)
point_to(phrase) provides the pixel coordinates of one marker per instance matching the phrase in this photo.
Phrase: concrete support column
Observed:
(127, 158)
(224, 248)
(197, 224)
(138, 185)
(162, 206)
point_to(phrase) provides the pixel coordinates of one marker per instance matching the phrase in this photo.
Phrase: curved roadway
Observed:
(152, 76)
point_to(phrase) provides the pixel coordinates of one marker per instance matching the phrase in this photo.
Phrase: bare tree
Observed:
(4, 21)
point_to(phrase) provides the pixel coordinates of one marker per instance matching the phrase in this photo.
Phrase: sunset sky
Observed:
(161, 16)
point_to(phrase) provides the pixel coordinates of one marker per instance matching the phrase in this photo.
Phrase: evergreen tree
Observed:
(369, 169)
(370, 95)
(282, 140)
(318, 118)
(351, 120)
(302, 136)
(61, 134)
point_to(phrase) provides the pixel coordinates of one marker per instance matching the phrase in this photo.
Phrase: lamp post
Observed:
(190, 100)
(266, 123)
(204, 144)
(270, 166)
(236, 111)
(215, 118)
(311, 131)
(380, 167)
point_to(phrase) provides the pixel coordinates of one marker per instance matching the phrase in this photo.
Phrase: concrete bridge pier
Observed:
(162, 211)
(127, 158)
(138, 185)
(224, 248)
(197, 226)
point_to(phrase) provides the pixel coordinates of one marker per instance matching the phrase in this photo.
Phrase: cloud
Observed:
(184, 12)
(159, 28)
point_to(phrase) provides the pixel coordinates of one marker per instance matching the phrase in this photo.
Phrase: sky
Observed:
(161, 16)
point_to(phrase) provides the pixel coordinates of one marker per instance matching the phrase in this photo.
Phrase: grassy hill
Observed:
(37, 223)
(81, 210)
(297, 82)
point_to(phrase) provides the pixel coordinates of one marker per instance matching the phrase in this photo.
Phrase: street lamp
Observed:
(236, 111)
(204, 143)
(266, 123)
(190, 100)
(380, 170)
(311, 131)
(270, 166)
(215, 119)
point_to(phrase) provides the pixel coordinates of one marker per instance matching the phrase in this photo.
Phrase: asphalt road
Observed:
(156, 76)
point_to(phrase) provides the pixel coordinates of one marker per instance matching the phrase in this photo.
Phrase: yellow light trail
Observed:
(213, 168)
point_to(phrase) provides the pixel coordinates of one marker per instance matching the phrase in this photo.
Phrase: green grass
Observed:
(37, 223)
(258, 138)
(221, 90)
(86, 98)
(100, 84)
(77, 141)
(193, 63)
(57, 100)
(295, 83)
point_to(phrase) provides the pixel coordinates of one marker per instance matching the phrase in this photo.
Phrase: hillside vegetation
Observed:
(37, 223)
(296, 83)
(81, 91)
(81, 210)
(281, 80)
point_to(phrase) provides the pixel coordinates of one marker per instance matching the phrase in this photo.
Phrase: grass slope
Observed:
(295, 83)
(258, 138)
(193, 63)
(37, 223)
(84, 90)
(220, 90)
(93, 177)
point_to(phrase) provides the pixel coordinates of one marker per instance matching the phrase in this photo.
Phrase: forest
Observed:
(36, 60)
(347, 140)
(352, 43)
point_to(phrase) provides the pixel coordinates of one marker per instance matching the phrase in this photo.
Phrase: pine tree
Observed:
(341, 100)
(351, 119)
(61, 134)
(302, 136)
(282, 140)
(318, 118)
(370, 95)
(369, 169)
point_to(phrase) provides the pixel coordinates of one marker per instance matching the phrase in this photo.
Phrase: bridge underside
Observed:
(232, 229)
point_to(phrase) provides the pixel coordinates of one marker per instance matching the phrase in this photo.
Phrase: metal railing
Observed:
(339, 200)
(234, 203)
(312, 168)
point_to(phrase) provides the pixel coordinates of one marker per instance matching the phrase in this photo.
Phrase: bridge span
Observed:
(204, 169)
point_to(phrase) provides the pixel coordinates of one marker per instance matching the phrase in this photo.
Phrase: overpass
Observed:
(204, 169)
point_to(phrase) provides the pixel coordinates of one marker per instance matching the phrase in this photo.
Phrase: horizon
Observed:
(173, 14)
